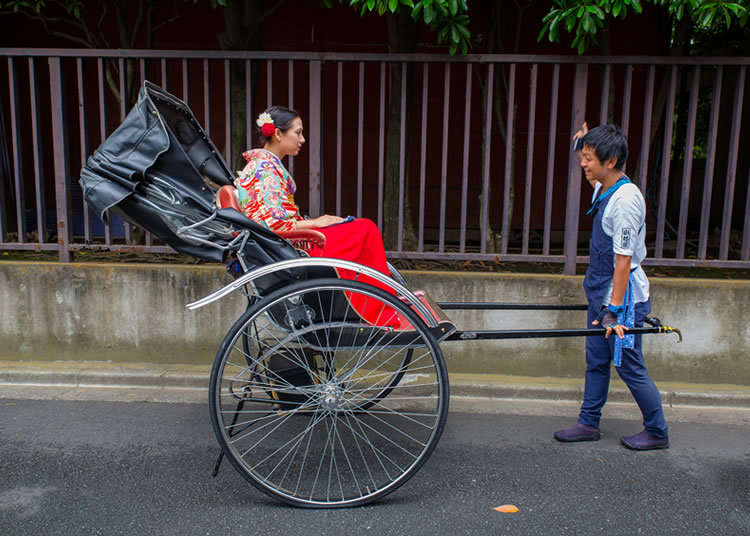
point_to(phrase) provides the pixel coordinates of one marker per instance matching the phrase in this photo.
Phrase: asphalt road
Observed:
(78, 468)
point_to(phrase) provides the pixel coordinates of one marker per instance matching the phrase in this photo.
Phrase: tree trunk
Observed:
(496, 44)
(128, 92)
(401, 39)
(243, 24)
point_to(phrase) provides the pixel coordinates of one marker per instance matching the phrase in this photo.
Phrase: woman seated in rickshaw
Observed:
(265, 191)
(266, 195)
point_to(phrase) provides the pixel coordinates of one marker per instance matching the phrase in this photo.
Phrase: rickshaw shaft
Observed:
(511, 306)
(543, 333)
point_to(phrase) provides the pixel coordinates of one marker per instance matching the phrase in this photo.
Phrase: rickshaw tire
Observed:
(440, 399)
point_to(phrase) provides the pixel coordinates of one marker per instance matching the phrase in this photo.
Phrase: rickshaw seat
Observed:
(226, 197)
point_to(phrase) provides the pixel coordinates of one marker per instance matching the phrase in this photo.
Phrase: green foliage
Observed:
(449, 18)
(72, 7)
(584, 18)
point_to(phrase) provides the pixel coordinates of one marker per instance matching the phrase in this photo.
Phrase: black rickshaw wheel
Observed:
(319, 409)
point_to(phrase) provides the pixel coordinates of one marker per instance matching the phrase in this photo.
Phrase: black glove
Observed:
(606, 318)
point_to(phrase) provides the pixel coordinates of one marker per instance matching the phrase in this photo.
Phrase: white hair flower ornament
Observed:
(265, 122)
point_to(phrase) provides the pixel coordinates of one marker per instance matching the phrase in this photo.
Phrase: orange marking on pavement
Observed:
(506, 509)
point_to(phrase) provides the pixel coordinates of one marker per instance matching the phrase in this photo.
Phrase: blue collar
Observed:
(605, 194)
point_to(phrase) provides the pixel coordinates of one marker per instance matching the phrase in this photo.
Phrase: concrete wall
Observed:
(710, 313)
(136, 313)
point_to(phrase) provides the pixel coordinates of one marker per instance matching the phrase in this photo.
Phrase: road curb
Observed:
(147, 376)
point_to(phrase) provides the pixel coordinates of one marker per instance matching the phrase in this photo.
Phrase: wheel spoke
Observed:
(361, 454)
(320, 463)
(379, 454)
(295, 439)
(349, 464)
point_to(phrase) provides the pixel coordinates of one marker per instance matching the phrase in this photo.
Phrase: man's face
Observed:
(593, 168)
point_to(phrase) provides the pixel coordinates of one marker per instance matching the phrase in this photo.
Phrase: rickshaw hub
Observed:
(331, 399)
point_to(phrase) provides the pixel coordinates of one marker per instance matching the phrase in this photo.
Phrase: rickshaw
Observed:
(330, 389)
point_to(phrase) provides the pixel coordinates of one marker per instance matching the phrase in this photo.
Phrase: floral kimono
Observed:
(266, 191)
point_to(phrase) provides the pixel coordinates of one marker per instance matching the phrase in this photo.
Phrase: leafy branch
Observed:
(449, 18)
(584, 18)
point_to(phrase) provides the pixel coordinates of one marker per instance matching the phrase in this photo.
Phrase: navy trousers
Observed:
(633, 372)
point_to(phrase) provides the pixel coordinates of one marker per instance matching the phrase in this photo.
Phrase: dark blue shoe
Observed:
(579, 432)
(645, 441)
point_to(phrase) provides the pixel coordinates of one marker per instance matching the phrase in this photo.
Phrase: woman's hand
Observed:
(321, 221)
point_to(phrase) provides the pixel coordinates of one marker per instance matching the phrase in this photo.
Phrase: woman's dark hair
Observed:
(283, 118)
(608, 141)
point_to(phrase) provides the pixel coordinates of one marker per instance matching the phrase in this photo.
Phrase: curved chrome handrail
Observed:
(318, 261)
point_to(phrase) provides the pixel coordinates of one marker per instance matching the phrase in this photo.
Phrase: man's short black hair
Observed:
(608, 141)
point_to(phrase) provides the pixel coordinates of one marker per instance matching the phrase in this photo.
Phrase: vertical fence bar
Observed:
(123, 112)
(423, 156)
(269, 83)
(573, 198)
(444, 166)
(339, 105)
(227, 114)
(646, 137)
(315, 132)
(726, 222)
(60, 152)
(185, 85)
(142, 68)
(83, 132)
(164, 81)
(745, 253)
(17, 144)
(381, 146)
(360, 136)
(484, 223)
(604, 100)
(665, 161)
(529, 160)
(465, 168)
(249, 115)
(41, 212)
(507, 216)
(5, 174)
(123, 93)
(401, 161)
(627, 92)
(687, 162)
(713, 127)
(290, 77)
(551, 157)
(206, 99)
(103, 131)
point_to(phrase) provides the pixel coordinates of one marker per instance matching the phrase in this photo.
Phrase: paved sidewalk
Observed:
(480, 393)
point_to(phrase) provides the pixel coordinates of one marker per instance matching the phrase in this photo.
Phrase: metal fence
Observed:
(468, 159)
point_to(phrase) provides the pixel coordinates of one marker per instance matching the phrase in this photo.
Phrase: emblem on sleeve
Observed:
(626, 235)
